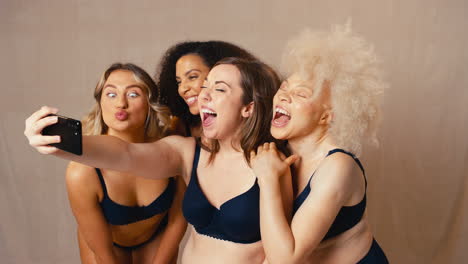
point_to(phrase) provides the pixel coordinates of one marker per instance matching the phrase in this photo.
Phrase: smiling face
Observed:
(298, 111)
(124, 104)
(220, 103)
(191, 72)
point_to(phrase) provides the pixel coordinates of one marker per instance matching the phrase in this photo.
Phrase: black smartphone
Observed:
(69, 131)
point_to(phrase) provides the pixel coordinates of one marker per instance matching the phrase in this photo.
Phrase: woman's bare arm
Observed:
(156, 160)
(300, 237)
(175, 229)
(84, 201)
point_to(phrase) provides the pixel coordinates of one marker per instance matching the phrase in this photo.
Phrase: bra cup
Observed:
(237, 220)
(348, 216)
(197, 212)
(117, 214)
(239, 217)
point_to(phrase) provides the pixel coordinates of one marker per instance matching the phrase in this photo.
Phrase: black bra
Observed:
(348, 216)
(117, 214)
(237, 220)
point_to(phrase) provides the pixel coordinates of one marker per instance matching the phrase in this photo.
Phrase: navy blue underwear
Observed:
(348, 216)
(117, 214)
(237, 220)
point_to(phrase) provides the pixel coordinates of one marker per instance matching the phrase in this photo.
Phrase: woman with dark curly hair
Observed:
(181, 73)
(221, 202)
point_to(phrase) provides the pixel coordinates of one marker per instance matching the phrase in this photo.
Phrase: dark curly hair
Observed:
(211, 52)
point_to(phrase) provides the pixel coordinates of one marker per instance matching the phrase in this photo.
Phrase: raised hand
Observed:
(269, 163)
(34, 126)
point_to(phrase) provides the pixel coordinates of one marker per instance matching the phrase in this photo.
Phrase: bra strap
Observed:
(196, 157)
(352, 156)
(101, 179)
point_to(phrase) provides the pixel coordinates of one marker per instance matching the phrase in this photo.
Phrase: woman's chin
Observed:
(208, 134)
(194, 110)
(278, 133)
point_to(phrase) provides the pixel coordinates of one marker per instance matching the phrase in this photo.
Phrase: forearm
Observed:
(175, 229)
(171, 237)
(94, 251)
(106, 152)
(277, 237)
(109, 258)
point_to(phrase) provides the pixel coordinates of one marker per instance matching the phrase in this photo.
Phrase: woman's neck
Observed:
(313, 146)
(137, 136)
(229, 145)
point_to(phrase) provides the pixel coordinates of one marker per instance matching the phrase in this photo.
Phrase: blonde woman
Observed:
(222, 198)
(122, 218)
(326, 109)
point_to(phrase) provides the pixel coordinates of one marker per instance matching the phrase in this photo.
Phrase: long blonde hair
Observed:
(158, 120)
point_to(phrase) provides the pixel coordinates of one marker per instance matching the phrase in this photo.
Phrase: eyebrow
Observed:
(224, 83)
(188, 72)
(128, 87)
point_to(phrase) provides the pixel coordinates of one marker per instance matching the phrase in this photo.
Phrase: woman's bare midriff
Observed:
(136, 233)
(349, 247)
(207, 250)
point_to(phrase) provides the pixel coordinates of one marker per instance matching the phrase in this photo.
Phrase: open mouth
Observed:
(281, 117)
(191, 100)
(208, 116)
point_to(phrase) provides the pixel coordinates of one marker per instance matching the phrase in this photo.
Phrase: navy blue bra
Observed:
(117, 214)
(237, 220)
(348, 216)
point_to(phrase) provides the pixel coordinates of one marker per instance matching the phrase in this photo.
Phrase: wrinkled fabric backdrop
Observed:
(53, 52)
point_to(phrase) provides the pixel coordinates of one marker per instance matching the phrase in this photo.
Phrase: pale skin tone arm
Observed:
(84, 202)
(156, 160)
(175, 229)
(316, 215)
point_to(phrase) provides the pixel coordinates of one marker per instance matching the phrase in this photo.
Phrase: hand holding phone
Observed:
(70, 134)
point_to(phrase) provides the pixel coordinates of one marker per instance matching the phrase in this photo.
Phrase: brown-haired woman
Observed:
(222, 197)
(122, 218)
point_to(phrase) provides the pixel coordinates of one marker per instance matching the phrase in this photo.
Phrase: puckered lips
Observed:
(191, 100)
(208, 116)
(121, 115)
(281, 117)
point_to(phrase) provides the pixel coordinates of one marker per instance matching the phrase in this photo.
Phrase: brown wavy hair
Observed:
(158, 121)
(259, 84)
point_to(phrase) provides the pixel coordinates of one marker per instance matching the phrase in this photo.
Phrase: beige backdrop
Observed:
(52, 53)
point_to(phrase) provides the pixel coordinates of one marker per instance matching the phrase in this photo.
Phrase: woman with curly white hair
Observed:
(326, 109)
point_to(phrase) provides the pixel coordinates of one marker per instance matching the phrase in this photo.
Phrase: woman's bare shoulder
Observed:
(81, 177)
